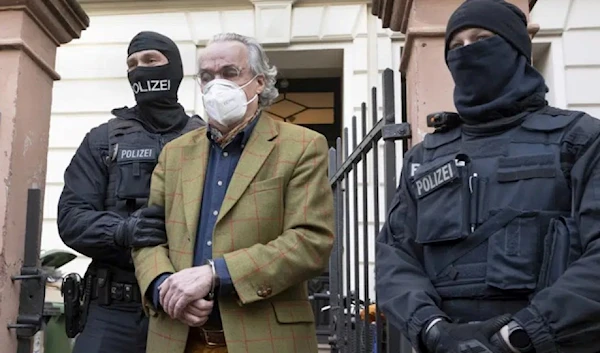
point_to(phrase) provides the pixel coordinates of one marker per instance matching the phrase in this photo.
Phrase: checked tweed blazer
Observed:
(275, 231)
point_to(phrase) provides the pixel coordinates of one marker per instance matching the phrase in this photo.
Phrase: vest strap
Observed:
(481, 234)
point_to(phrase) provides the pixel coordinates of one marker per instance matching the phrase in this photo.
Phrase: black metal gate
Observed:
(33, 279)
(358, 223)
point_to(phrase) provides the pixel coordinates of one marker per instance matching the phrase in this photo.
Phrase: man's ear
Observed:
(260, 81)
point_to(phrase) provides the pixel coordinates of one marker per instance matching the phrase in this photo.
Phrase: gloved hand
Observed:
(513, 338)
(144, 228)
(446, 337)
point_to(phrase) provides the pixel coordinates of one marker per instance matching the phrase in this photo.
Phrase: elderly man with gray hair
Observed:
(249, 219)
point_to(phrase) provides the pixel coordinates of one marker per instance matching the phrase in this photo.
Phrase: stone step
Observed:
(324, 348)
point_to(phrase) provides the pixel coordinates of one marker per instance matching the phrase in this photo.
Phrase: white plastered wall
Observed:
(383, 52)
(572, 29)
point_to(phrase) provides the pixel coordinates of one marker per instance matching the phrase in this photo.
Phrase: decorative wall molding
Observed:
(61, 20)
(273, 21)
(18, 44)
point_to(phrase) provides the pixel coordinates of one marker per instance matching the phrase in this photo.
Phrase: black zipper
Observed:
(161, 142)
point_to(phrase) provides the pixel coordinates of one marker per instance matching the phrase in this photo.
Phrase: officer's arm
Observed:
(405, 293)
(565, 316)
(83, 225)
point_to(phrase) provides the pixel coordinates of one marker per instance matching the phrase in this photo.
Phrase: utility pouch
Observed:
(103, 286)
(72, 292)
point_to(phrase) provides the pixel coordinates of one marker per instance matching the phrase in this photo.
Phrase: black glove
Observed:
(446, 337)
(145, 227)
(518, 337)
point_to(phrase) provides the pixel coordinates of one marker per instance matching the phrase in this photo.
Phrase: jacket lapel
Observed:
(193, 173)
(254, 155)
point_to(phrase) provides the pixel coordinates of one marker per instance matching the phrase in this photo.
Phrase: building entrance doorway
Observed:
(314, 103)
(310, 90)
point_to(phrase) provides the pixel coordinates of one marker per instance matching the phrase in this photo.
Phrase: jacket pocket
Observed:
(293, 311)
(512, 169)
(560, 249)
(442, 200)
(272, 184)
(134, 171)
(513, 254)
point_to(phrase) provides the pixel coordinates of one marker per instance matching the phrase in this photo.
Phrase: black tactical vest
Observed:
(133, 154)
(493, 212)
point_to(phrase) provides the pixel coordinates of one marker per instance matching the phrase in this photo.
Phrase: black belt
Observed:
(122, 292)
(207, 336)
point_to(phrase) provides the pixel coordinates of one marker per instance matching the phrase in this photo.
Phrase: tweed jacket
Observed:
(274, 230)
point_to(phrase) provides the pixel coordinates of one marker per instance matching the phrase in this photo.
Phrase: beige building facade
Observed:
(76, 85)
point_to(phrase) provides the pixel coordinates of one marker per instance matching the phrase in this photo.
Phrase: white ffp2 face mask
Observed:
(225, 101)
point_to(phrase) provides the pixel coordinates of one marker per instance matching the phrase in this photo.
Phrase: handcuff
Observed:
(214, 282)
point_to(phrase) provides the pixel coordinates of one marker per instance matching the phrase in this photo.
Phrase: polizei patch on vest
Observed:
(151, 86)
(433, 180)
(136, 155)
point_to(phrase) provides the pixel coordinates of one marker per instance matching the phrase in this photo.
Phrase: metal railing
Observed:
(349, 292)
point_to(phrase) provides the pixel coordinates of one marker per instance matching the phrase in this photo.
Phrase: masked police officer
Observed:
(492, 243)
(101, 211)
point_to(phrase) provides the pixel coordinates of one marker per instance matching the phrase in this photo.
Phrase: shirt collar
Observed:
(240, 139)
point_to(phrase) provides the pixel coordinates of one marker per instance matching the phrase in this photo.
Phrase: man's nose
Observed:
(468, 42)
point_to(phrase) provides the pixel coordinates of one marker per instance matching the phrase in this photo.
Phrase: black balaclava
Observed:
(493, 77)
(155, 88)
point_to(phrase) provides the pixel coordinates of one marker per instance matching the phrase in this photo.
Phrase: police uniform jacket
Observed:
(107, 179)
(504, 222)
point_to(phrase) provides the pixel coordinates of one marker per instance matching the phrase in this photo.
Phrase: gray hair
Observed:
(258, 62)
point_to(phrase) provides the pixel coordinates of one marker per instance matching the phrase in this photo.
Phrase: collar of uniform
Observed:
(242, 137)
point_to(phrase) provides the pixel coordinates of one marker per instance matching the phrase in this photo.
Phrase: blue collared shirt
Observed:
(219, 171)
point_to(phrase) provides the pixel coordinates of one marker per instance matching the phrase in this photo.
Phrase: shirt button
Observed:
(215, 212)
(225, 154)
(209, 243)
(219, 183)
